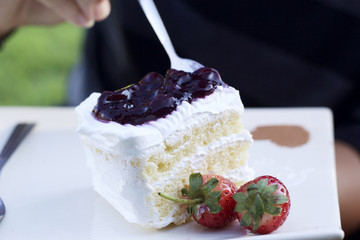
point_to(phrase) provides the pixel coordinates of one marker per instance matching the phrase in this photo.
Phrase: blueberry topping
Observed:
(156, 96)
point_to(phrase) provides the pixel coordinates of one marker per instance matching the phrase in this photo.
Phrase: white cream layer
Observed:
(132, 139)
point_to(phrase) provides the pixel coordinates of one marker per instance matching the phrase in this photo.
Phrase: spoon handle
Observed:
(17, 135)
(157, 24)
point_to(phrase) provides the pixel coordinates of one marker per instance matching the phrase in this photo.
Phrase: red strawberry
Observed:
(263, 204)
(210, 200)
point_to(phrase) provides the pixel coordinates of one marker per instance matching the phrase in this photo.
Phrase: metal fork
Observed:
(18, 134)
(154, 18)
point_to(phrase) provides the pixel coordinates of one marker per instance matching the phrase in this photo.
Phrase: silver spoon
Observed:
(154, 18)
(18, 134)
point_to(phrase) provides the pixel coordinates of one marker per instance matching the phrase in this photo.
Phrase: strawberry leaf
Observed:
(278, 199)
(212, 200)
(259, 206)
(245, 220)
(196, 182)
(240, 197)
(213, 206)
(214, 196)
(271, 209)
(251, 187)
(242, 202)
(254, 216)
(269, 190)
(240, 207)
(252, 194)
(194, 212)
(262, 184)
(256, 223)
(209, 185)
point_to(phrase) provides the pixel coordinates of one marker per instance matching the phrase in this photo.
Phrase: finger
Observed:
(87, 6)
(70, 11)
(96, 10)
(101, 10)
(36, 13)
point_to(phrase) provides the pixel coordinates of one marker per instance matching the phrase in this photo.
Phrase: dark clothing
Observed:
(278, 53)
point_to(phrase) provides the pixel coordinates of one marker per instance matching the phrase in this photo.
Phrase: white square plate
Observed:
(46, 185)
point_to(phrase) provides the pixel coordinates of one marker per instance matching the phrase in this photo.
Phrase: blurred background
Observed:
(35, 63)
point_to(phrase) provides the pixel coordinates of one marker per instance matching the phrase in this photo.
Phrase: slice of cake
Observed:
(149, 137)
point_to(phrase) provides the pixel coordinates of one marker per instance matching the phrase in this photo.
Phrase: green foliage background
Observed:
(35, 63)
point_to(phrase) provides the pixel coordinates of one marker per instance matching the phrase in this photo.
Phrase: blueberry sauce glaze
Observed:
(155, 96)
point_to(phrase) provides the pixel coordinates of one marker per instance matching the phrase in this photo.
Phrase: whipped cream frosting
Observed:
(109, 134)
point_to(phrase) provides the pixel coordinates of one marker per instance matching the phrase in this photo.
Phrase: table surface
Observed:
(47, 189)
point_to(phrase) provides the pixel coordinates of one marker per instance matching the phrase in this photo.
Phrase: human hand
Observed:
(83, 13)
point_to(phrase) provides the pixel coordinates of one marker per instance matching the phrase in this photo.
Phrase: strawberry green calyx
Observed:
(182, 200)
(259, 199)
(199, 196)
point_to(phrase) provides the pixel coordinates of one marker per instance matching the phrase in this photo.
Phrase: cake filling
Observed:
(156, 96)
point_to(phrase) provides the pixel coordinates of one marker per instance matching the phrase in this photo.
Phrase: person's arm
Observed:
(348, 177)
(83, 13)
